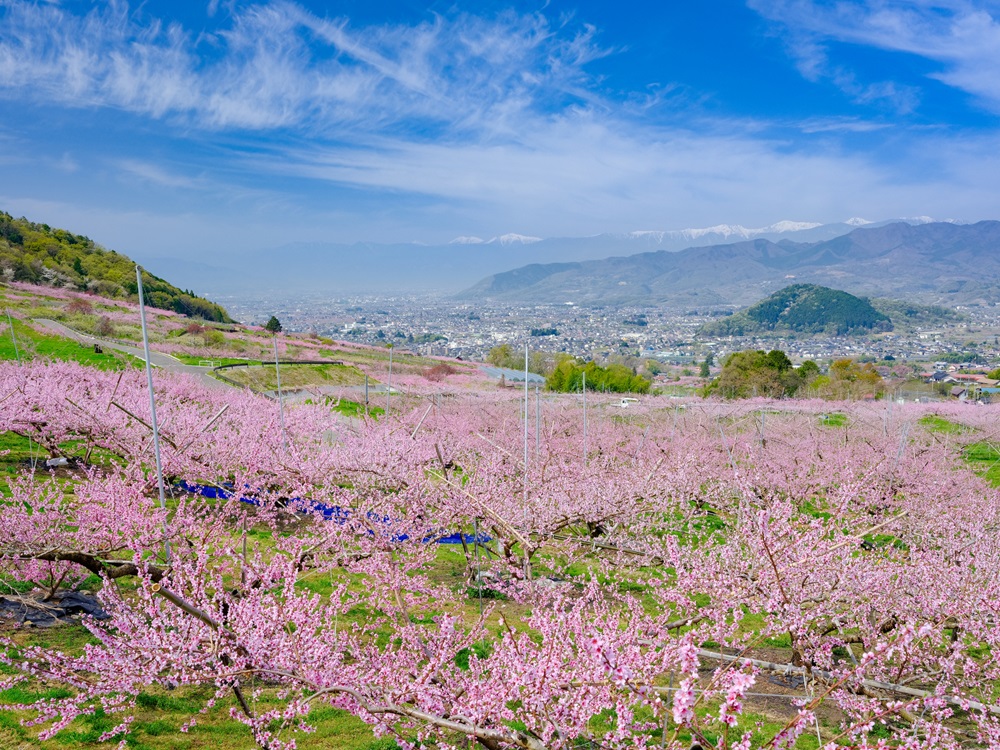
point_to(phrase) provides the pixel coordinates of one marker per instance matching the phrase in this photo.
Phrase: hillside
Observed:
(38, 254)
(803, 308)
(906, 315)
(938, 263)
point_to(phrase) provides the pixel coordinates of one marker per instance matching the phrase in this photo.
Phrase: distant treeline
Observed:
(39, 254)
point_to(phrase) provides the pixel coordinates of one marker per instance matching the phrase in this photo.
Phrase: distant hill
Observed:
(39, 254)
(803, 308)
(936, 263)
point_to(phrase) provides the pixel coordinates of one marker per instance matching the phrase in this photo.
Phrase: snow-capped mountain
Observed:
(678, 239)
(726, 231)
(503, 240)
(515, 239)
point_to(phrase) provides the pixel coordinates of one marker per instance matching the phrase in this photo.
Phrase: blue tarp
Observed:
(330, 512)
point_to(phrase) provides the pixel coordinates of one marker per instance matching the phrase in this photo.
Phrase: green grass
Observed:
(160, 715)
(17, 452)
(834, 419)
(32, 344)
(19, 694)
(934, 423)
(984, 458)
(355, 409)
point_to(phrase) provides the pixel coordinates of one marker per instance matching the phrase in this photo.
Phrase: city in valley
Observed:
(662, 342)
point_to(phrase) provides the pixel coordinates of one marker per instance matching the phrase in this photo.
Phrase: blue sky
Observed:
(199, 130)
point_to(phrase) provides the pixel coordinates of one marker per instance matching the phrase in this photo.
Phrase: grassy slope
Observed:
(39, 254)
(264, 377)
(32, 344)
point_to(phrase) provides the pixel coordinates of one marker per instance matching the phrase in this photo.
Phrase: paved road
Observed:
(158, 359)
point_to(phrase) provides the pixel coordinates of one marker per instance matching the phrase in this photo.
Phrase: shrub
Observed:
(439, 372)
(104, 327)
(79, 306)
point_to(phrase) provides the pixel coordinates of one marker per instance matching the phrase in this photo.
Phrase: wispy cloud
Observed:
(157, 175)
(961, 36)
(591, 177)
(840, 125)
(278, 65)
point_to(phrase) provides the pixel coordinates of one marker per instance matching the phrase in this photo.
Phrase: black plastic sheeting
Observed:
(64, 605)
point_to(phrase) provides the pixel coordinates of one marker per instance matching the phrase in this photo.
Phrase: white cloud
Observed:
(583, 175)
(278, 65)
(962, 36)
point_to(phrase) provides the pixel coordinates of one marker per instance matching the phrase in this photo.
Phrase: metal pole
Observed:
(538, 417)
(13, 338)
(479, 567)
(281, 403)
(388, 387)
(584, 417)
(525, 514)
(525, 422)
(152, 409)
(17, 356)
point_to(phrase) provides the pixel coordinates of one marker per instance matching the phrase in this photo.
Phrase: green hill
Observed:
(803, 308)
(39, 254)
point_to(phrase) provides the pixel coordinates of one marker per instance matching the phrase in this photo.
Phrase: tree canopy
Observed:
(568, 376)
(848, 379)
(754, 372)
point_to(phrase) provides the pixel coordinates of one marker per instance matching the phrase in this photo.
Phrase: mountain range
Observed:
(933, 263)
(453, 266)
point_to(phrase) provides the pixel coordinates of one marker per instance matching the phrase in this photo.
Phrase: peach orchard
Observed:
(635, 573)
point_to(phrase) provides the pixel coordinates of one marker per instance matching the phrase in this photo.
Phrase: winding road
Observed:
(158, 359)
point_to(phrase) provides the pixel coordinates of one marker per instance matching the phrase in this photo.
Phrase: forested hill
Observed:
(804, 308)
(39, 254)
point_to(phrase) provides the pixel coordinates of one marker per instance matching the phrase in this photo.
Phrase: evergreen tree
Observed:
(273, 325)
